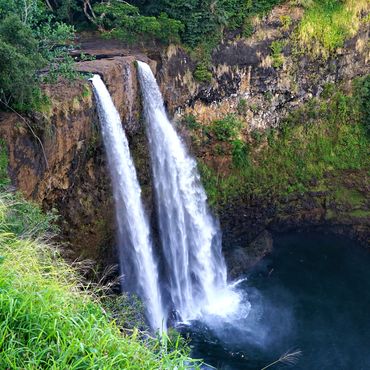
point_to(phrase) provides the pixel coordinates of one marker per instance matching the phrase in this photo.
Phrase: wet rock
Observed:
(242, 258)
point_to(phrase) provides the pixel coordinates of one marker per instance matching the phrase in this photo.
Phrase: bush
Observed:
(206, 20)
(4, 179)
(242, 106)
(362, 94)
(202, 73)
(240, 151)
(227, 128)
(277, 53)
(191, 122)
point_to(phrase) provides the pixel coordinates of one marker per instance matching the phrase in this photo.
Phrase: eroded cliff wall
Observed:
(57, 156)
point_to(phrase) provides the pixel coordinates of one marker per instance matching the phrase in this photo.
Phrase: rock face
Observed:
(57, 157)
(342, 207)
(247, 69)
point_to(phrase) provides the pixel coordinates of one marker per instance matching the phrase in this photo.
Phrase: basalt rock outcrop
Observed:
(245, 68)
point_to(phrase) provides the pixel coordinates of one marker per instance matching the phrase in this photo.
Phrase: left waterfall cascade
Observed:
(137, 262)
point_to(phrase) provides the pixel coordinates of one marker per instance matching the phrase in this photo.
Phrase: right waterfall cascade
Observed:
(190, 235)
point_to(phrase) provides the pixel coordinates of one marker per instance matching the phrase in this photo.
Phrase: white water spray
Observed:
(137, 263)
(191, 237)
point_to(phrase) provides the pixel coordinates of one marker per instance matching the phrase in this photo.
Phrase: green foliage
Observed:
(127, 310)
(257, 136)
(125, 22)
(26, 219)
(201, 25)
(48, 321)
(67, 10)
(286, 22)
(247, 28)
(240, 151)
(242, 106)
(277, 53)
(362, 93)
(30, 40)
(205, 21)
(326, 25)
(227, 128)
(302, 3)
(191, 122)
(202, 73)
(323, 136)
(19, 61)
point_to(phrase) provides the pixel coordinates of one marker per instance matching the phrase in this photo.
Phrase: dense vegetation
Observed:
(324, 136)
(49, 319)
(31, 40)
(327, 24)
(36, 35)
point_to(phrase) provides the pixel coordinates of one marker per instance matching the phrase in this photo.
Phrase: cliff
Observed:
(57, 159)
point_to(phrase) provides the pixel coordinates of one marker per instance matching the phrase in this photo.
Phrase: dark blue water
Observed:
(311, 294)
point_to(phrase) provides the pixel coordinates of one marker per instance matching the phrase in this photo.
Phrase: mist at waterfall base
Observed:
(311, 293)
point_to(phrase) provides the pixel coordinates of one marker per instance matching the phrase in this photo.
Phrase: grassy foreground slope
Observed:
(47, 319)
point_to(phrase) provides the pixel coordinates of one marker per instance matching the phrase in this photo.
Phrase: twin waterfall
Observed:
(194, 272)
(138, 266)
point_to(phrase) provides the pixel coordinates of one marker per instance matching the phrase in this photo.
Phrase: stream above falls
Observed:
(311, 294)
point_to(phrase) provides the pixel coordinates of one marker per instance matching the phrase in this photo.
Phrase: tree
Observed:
(124, 21)
(19, 62)
(30, 40)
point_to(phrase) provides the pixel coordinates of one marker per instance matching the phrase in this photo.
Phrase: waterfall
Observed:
(190, 235)
(138, 266)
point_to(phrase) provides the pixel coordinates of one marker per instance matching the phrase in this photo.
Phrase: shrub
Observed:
(202, 73)
(191, 122)
(227, 128)
(240, 151)
(362, 94)
(242, 106)
(30, 40)
(19, 61)
(277, 53)
(4, 180)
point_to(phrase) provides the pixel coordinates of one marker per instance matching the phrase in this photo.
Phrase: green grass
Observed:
(323, 136)
(326, 25)
(49, 319)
